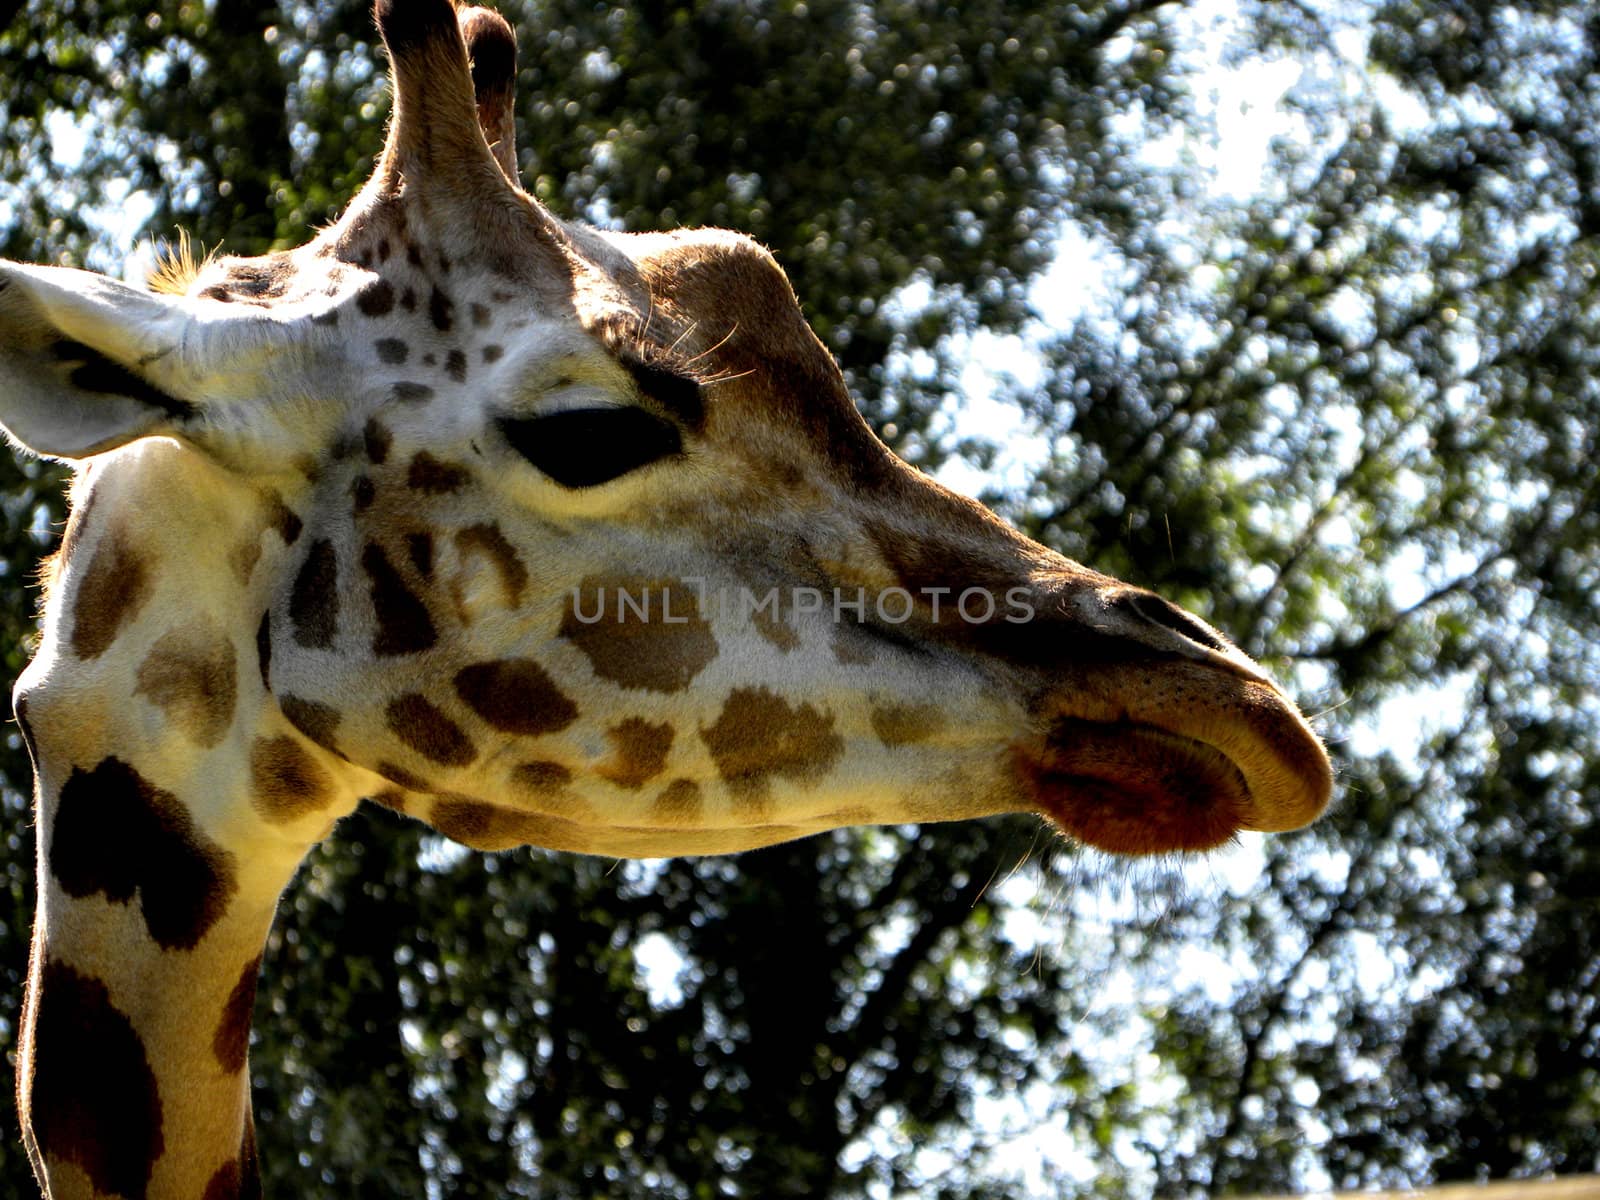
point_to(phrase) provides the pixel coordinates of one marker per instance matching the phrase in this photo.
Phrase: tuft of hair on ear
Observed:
(175, 266)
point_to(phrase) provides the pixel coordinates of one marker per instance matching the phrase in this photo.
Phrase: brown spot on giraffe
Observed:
(111, 593)
(542, 786)
(469, 822)
(111, 1131)
(423, 727)
(493, 353)
(489, 827)
(319, 722)
(363, 492)
(643, 634)
(760, 736)
(239, 1178)
(264, 649)
(488, 541)
(679, 804)
(377, 439)
(408, 392)
(314, 598)
(286, 782)
(441, 310)
(540, 777)
(191, 675)
(515, 695)
(225, 1184)
(433, 477)
(116, 833)
(392, 350)
(231, 1042)
(403, 777)
(404, 626)
(376, 299)
(905, 724)
(772, 623)
(419, 549)
(455, 366)
(639, 751)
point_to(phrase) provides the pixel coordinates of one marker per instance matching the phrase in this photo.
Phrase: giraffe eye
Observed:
(582, 447)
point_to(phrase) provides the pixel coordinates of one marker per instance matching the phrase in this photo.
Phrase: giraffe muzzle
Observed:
(1174, 757)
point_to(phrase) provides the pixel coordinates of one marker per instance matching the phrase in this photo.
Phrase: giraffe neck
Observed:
(174, 805)
(132, 1076)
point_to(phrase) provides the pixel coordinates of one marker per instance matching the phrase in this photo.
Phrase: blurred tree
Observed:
(1355, 417)
(1352, 416)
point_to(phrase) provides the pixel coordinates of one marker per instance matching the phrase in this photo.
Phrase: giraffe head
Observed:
(548, 534)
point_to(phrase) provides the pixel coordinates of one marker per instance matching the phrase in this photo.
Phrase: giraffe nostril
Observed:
(1156, 611)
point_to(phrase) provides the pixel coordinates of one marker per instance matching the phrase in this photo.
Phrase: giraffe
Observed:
(540, 534)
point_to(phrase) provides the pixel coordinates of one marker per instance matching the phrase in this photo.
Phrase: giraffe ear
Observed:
(86, 362)
(492, 59)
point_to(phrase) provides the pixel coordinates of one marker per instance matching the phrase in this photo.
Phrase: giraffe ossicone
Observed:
(540, 534)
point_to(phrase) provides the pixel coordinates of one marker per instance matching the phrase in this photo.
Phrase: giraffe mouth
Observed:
(1130, 788)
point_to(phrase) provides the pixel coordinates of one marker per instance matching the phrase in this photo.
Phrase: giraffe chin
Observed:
(1134, 789)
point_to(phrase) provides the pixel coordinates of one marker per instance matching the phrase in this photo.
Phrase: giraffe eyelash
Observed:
(673, 389)
(630, 341)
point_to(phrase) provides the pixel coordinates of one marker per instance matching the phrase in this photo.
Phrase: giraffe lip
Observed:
(1130, 787)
